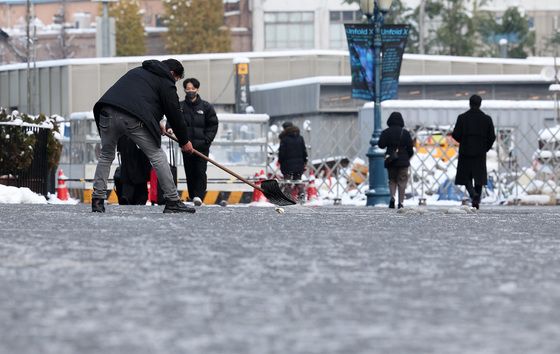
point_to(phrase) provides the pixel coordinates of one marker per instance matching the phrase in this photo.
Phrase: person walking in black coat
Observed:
(202, 126)
(292, 157)
(134, 106)
(292, 154)
(397, 139)
(474, 131)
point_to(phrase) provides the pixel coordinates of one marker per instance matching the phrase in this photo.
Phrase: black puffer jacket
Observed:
(391, 139)
(292, 154)
(147, 92)
(202, 122)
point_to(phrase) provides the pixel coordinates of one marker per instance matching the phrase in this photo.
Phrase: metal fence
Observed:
(37, 176)
(523, 165)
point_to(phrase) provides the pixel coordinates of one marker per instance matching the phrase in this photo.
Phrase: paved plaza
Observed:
(246, 280)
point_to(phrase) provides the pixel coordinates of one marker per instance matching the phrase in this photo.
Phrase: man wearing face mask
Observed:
(202, 126)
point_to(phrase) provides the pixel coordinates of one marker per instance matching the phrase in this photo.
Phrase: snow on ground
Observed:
(24, 195)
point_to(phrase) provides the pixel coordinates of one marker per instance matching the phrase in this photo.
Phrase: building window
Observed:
(337, 36)
(289, 30)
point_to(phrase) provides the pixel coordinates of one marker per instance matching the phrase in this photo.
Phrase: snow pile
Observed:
(23, 195)
(54, 200)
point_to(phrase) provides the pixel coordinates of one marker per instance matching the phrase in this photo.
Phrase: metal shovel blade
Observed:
(273, 193)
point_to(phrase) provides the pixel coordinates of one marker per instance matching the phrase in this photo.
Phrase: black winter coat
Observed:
(474, 131)
(147, 92)
(292, 154)
(391, 138)
(202, 122)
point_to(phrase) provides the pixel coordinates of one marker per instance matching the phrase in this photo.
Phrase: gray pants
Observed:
(112, 125)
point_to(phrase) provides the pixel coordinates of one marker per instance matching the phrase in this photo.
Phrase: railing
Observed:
(37, 176)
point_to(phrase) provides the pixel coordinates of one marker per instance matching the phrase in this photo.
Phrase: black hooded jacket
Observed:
(292, 154)
(202, 122)
(391, 139)
(147, 92)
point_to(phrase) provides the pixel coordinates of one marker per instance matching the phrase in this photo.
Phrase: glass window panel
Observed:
(335, 16)
(282, 32)
(347, 15)
(307, 16)
(282, 17)
(270, 33)
(269, 17)
(295, 17)
(307, 32)
(337, 36)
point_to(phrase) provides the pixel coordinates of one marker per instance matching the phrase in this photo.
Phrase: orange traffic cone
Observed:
(258, 196)
(61, 189)
(312, 193)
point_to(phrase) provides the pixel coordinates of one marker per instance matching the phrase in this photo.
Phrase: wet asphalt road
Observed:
(250, 280)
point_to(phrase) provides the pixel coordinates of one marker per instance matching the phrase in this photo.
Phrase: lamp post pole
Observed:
(378, 184)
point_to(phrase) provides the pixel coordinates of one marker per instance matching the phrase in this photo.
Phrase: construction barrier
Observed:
(211, 197)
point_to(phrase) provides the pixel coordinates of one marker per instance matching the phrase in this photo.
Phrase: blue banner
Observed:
(360, 44)
(393, 39)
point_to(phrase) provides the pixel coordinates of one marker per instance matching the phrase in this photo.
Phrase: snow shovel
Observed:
(269, 187)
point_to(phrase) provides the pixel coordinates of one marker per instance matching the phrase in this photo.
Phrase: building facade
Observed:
(295, 24)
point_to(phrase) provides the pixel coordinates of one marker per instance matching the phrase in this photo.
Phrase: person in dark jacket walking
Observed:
(134, 106)
(292, 154)
(202, 126)
(474, 131)
(396, 138)
(292, 157)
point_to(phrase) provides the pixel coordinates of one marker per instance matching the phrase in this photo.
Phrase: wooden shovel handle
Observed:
(202, 156)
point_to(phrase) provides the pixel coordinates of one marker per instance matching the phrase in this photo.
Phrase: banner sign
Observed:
(360, 44)
(242, 92)
(394, 39)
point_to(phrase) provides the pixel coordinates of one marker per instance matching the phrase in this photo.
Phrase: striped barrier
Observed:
(211, 197)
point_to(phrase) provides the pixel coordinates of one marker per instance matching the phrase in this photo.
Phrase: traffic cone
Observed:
(258, 196)
(61, 189)
(311, 191)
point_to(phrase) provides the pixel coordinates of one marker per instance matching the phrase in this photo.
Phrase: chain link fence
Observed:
(523, 165)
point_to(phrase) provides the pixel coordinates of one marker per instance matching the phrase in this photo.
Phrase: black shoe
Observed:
(97, 205)
(177, 206)
(392, 203)
(400, 206)
(476, 204)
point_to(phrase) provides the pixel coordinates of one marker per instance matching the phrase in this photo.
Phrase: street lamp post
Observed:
(378, 192)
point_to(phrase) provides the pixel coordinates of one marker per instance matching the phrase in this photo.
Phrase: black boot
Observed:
(392, 203)
(177, 206)
(400, 206)
(97, 205)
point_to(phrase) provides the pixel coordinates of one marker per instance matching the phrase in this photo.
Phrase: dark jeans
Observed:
(195, 172)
